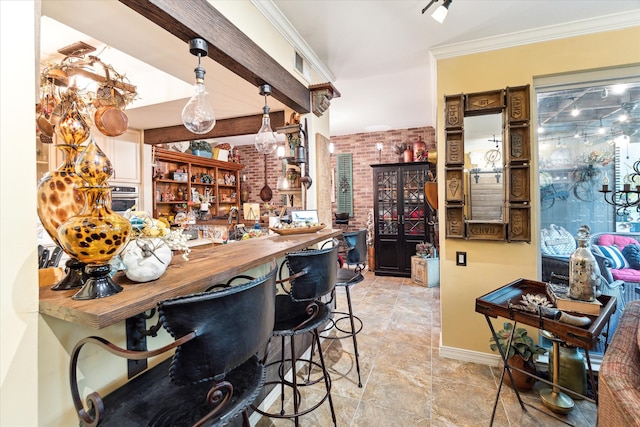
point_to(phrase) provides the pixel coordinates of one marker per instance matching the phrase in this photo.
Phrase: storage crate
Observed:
(425, 271)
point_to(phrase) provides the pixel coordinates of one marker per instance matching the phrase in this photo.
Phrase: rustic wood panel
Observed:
(454, 148)
(454, 217)
(204, 268)
(518, 103)
(479, 230)
(228, 46)
(454, 185)
(454, 111)
(519, 146)
(246, 125)
(520, 224)
(484, 102)
(518, 186)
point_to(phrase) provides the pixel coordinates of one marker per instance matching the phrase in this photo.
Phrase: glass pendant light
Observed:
(265, 140)
(197, 115)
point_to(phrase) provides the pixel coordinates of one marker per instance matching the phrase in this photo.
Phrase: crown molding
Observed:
(282, 24)
(553, 32)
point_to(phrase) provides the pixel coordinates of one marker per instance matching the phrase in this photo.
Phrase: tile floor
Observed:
(405, 382)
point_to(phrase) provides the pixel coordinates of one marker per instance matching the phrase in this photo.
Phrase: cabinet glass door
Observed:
(413, 202)
(387, 202)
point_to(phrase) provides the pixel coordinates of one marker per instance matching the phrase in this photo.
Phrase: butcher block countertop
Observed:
(204, 268)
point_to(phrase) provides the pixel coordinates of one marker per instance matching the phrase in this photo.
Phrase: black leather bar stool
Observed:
(345, 278)
(356, 243)
(299, 310)
(215, 373)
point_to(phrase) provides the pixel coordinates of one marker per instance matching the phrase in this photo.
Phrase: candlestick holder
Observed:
(627, 197)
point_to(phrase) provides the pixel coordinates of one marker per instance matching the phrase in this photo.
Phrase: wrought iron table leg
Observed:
(506, 368)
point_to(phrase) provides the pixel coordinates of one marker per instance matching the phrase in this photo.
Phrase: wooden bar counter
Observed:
(204, 268)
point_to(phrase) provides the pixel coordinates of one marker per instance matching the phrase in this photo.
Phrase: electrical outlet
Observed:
(461, 258)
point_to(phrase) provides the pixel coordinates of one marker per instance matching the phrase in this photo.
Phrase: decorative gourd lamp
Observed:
(96, 234)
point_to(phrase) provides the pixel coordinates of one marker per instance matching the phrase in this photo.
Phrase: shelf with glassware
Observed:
(183, 182)
(295, 175)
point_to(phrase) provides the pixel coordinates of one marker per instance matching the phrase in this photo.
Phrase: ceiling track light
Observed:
(197, 115)
(440, 13)
(265, 140)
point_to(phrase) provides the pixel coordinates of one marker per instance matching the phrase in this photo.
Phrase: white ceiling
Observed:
(376, 52)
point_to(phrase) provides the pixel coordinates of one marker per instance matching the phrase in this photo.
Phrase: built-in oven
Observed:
(123, 197)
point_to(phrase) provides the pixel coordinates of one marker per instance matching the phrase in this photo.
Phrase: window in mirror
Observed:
(483, 164)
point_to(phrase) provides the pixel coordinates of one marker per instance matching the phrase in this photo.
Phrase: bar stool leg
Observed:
(353, 335)
(553, 398)
(281, 373)
(294, 381)
(327, 380)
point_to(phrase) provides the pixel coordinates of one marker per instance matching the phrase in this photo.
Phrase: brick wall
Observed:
(363, 148)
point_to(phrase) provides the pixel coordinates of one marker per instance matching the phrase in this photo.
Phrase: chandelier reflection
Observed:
(626, 198)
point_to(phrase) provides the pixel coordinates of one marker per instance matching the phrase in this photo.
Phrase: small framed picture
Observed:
(310, 216)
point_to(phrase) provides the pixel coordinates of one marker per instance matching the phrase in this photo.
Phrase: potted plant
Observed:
(520, 354)
(200, 148)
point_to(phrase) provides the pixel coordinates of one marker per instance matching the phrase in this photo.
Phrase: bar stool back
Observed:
(356, 242)
(299, 310)
(213, 376)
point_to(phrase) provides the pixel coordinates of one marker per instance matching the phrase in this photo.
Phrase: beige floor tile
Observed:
(406, 383)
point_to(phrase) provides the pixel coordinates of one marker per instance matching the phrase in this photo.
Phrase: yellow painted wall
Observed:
(493, 264)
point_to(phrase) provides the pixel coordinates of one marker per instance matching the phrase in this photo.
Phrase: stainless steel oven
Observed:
(124, 197)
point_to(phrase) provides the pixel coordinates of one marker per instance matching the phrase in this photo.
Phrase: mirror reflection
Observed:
(484, 173)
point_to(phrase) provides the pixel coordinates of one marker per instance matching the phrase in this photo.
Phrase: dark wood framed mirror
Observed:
(505, 167)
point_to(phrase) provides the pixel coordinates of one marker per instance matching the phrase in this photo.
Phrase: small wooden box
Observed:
(425, 271)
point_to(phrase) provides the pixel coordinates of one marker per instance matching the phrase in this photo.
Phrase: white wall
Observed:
(18, 247)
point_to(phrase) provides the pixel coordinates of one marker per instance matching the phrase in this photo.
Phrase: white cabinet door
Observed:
(125, 157)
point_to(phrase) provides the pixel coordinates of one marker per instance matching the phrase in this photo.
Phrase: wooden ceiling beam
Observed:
(224, 127)
(228, 46)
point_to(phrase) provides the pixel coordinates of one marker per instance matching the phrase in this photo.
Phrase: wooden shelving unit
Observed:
(179, 176)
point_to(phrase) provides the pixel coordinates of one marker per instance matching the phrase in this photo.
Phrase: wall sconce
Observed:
(197, 115)
(344, 184)
(440, 13)
(379, 146)
(332, 148)
(265, 140)
(497, 174)
(476, 174)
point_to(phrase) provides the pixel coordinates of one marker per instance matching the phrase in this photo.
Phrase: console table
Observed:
(501, 302)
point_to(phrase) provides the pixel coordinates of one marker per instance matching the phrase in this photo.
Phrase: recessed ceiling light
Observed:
(619, 88)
